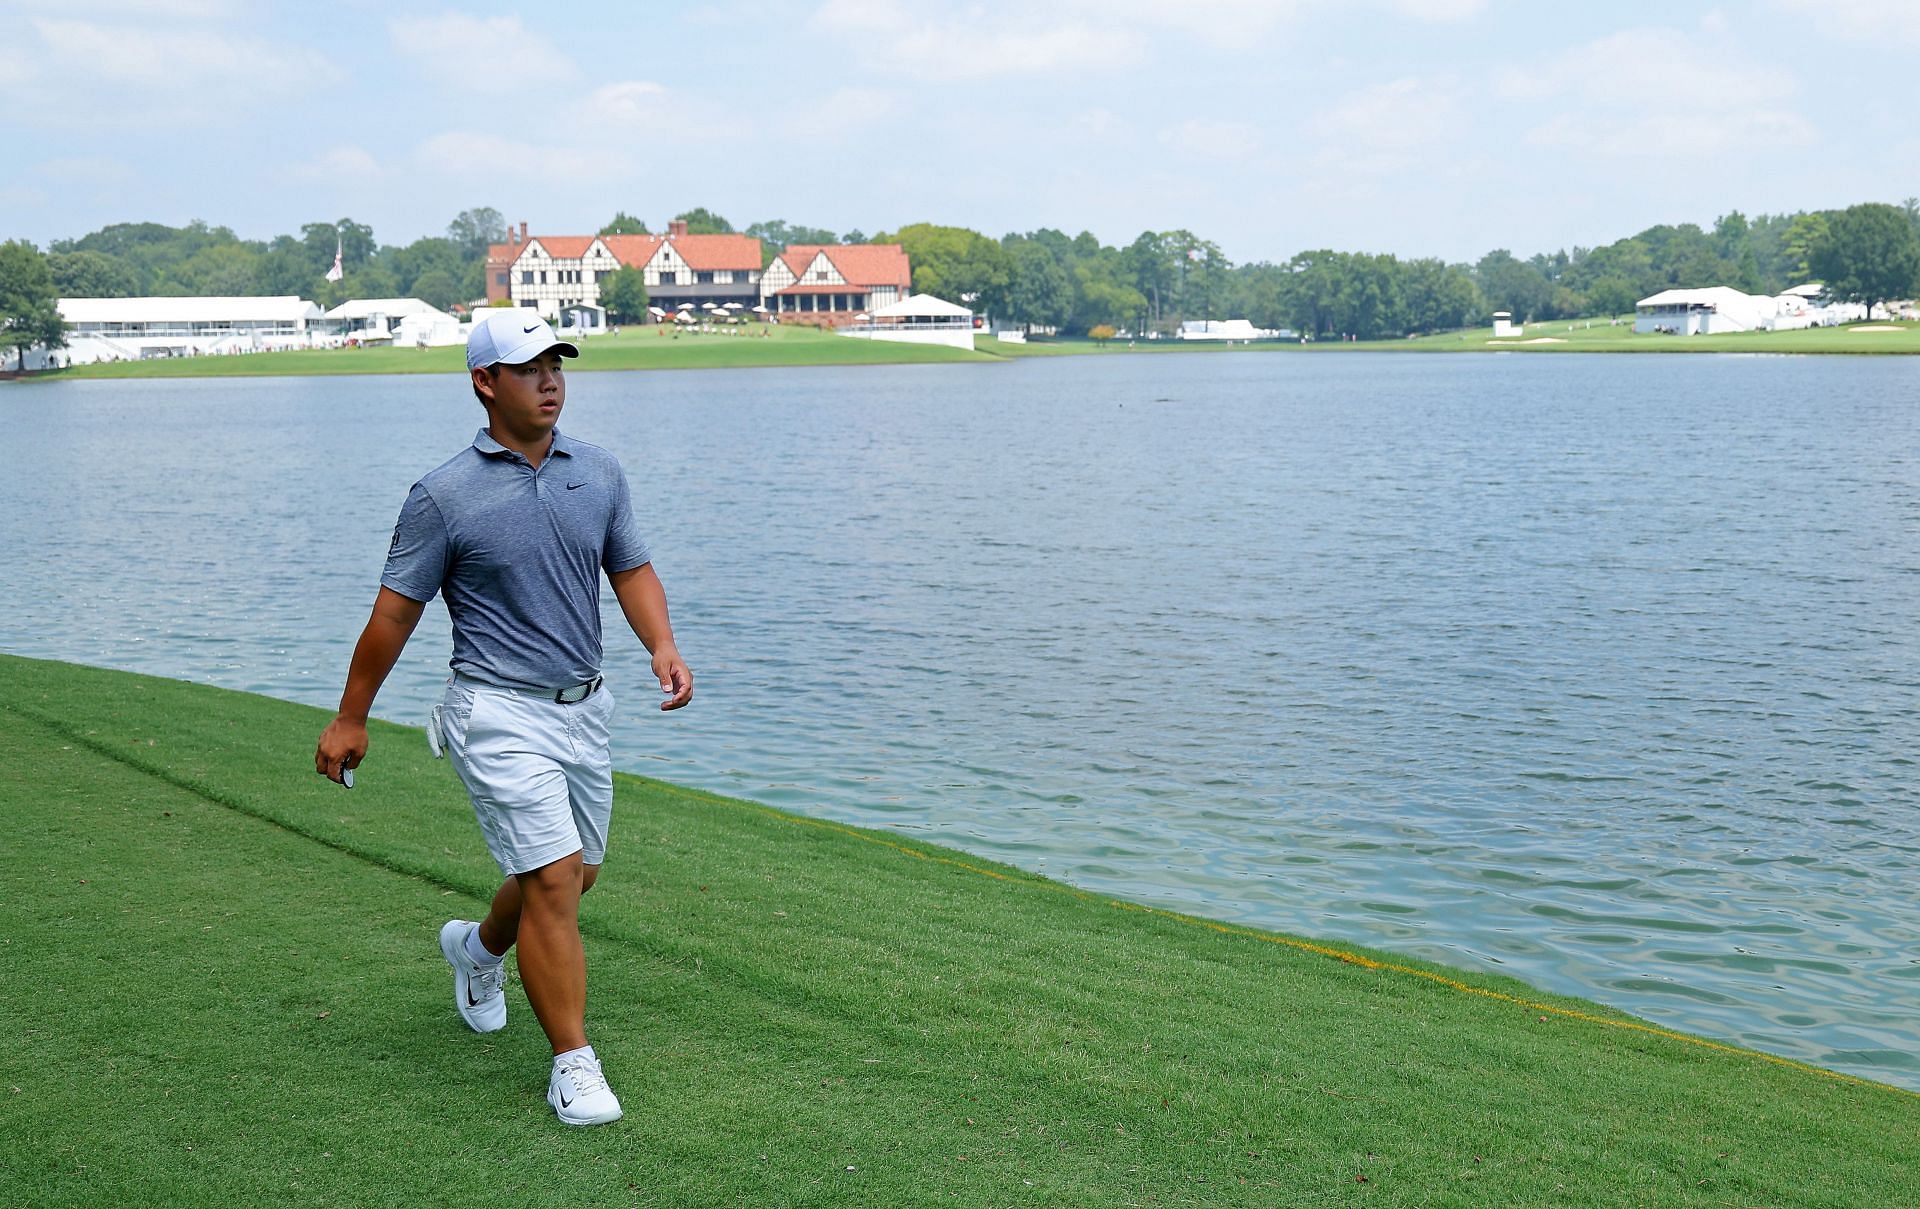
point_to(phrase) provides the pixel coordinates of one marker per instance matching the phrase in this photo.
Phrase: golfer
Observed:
(515, 531)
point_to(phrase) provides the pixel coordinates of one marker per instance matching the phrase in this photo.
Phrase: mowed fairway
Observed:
(220, 984)
(744, 346)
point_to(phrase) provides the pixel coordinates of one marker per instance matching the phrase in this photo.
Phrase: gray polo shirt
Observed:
(518, 552)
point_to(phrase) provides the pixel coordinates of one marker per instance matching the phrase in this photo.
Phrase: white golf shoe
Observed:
(478, 991)
(579, 1092)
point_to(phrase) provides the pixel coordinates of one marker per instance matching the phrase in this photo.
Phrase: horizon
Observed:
(1507, 129)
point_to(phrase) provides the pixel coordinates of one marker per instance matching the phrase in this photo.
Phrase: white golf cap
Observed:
(512, 337)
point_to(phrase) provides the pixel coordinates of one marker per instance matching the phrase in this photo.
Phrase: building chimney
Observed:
(676, 227)
(523, 232)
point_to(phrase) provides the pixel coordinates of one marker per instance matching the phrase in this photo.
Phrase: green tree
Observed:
(956, 264)
(776, 235)
(353, 241)
(1870, 254)
(91, 275)
(474, 230)
(1612, 296)
(1437, 296)
(1803, 234)
(624, 293)
(437, 287)
(623, 223)
(29, 304)
(1515, 286)
(1039, 292)
(702, 221)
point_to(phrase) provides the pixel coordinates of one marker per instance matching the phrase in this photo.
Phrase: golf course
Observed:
(750, 346)
(221, 985)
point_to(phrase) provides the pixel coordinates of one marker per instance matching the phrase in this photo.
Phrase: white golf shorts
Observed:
(538, 772)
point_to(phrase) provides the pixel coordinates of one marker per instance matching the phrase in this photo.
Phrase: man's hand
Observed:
(342, 746)
(644, 602)
(675, 680)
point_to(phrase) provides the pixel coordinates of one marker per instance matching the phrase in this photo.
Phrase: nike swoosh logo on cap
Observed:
(528, 329)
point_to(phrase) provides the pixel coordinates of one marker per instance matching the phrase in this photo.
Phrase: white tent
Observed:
(922, 306)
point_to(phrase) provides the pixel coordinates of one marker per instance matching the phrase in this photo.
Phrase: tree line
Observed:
(1042, 278)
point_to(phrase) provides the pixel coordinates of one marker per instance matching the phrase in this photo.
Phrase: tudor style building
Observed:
(830, 285)
(555, 273)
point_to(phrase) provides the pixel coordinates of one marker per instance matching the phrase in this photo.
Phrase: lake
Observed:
(1602, 672)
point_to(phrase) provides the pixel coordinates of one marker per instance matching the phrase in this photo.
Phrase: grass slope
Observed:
(221, 984)
(753, 345)
(1559, 336)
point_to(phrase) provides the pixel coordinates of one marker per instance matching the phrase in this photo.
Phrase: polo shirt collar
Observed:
(484, 442)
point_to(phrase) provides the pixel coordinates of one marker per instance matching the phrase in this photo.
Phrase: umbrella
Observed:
(656, 312)
(861, 318)
(685, 306)
(759, 310)
(683, 317)
(708, 306)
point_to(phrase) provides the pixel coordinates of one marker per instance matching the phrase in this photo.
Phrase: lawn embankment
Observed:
(1559, 336)
(221, 985)
(744, 347)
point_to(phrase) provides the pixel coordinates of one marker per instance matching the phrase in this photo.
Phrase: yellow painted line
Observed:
(1304, 946)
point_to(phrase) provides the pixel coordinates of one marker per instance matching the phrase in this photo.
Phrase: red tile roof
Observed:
(634, 251)
(873, 264)
(862, 264)
(718, 251)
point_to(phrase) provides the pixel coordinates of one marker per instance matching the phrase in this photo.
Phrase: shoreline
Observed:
(795, 348)
(844, 1002)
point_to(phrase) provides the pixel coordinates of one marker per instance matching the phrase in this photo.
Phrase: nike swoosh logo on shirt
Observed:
(571, 486)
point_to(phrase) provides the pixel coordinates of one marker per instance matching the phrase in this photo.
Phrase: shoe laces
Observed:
(489, 979)
(586, 1076)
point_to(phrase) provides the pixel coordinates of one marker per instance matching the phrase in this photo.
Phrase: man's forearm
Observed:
(394, 618)
(643, 600)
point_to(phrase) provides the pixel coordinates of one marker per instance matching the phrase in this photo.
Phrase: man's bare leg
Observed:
(553, 964)
(502, 925)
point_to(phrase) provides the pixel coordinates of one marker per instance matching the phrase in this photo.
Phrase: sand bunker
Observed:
(1874, 327)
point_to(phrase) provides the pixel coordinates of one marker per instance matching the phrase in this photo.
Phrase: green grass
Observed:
(1559, 336)
(220, 984)
(634, 348)
(768, 346)
(1598, 336)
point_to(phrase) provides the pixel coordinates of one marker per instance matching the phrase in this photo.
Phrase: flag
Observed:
(334, 273)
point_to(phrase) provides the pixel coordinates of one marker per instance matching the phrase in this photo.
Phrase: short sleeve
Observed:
(625, 548)
(417, 561)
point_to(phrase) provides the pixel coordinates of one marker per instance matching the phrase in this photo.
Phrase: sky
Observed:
(1418, 127)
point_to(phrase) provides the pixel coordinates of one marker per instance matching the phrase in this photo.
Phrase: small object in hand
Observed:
(346, 776)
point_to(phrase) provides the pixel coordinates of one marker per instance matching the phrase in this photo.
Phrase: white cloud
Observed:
(1227, 140)
(344, 163)
(970, 44)
(1610, 92)
(84, 170)
(206, 64)
(469, 154)
(1876, 23)
(1440, 10)
(1400, 115)
(450, 45)
(631, 101)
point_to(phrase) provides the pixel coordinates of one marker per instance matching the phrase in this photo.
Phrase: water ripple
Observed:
(1598, 672)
